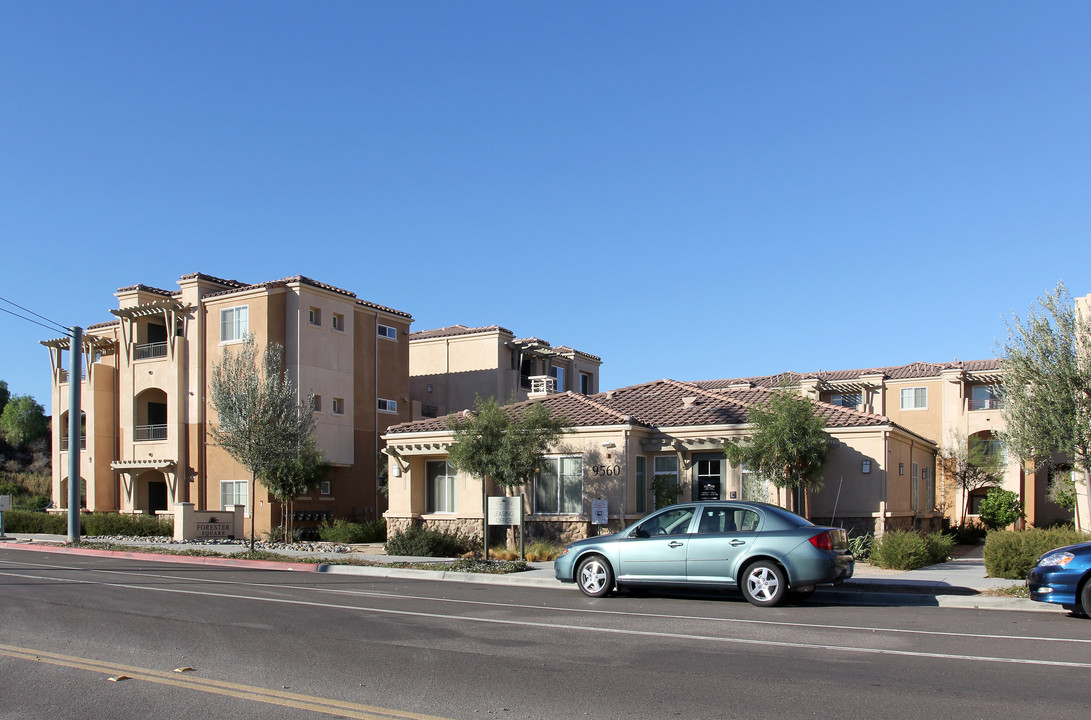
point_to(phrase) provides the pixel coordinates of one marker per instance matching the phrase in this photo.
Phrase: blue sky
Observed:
(689, 190)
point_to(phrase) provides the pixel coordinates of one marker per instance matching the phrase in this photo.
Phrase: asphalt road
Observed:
(273, 644)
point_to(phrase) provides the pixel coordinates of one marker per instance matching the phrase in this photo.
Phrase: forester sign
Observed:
(190, 524)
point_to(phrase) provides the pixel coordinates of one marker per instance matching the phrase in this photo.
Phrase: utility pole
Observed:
(74, 386)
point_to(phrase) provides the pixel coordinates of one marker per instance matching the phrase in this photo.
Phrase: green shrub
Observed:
(1012, 553)
(27, 521)
(1000, 508)
(127, 525)
(909, 550)
(860, 546)
(422, 542)
(347, 533)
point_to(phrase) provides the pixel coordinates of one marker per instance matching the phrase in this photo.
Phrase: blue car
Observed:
(1063, 577)
(767, 552)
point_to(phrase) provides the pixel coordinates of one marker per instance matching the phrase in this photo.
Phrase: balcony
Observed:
(986, 404)
(149, 433)
(62, 376)
(147, 351)
(64, 443)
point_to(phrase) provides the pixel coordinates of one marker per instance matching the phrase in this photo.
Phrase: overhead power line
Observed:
(54, 325)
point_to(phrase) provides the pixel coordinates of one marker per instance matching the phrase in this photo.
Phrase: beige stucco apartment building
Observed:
(147, 410)
(619, 441)
(449, 367)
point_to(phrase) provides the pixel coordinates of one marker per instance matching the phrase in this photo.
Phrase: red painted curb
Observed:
(159, 557)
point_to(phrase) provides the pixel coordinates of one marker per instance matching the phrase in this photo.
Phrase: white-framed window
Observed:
(234, 492)
(318, 403)
(388, 332)
(324, 487)
(390, 406)
(339, 322)
(915, 398)
(234, 323)
(753, 486)
(316, 316)
(914, 487)
(558, 374)
(665, 469)
(441, 475)
(849, 400)
(929, 489)
(338, 406)
(558, 485)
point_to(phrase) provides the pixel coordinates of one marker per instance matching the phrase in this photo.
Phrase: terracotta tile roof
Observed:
(147, 288)
(213, 278)
(663, 403)
(304, 280)
(895, 372)
(455, 330)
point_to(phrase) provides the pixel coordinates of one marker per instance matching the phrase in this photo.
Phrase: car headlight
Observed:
(1056, 559)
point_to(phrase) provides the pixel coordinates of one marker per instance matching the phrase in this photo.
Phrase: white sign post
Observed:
(505, 510)
(600, 512)
(5, 505)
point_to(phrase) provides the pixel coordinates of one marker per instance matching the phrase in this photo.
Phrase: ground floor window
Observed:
(641, 484)
(558, 485)
(753, 486)
(233, 492)
(665, 480)
(441, 487)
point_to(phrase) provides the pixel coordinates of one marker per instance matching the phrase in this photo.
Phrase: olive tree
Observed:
(788, 446)
(503, 445)
(1046, 385)
(262, 423)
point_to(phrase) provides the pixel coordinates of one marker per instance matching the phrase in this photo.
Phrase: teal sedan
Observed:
(765, 551)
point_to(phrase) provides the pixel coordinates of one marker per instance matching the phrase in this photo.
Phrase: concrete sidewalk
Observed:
(959, 582)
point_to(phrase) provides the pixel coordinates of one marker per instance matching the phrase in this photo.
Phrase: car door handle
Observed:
(674, 544)
(736, 543)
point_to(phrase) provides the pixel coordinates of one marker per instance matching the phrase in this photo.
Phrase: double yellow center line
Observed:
(189, 681)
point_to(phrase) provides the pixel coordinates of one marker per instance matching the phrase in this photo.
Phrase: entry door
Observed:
(708, 477)
(157, 496)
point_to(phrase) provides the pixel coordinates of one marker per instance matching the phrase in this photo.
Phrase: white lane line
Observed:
(581, 628)
(587, 611)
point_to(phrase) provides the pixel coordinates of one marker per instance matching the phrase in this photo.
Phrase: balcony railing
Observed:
(149, 433)
(987, 404)
(64, 443)
(150, 350)
(62, 376)
(542, 384)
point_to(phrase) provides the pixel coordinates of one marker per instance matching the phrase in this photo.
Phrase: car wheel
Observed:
(764, 584)
(1085, 600)
(594, 576)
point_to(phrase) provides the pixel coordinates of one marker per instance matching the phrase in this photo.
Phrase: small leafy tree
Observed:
(1000, 508)
(295, 474)
(23, 420)
(262, 422)
(789, 445)
(970, 464)
(1046, 386)
(503, 445)
(5, 394)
